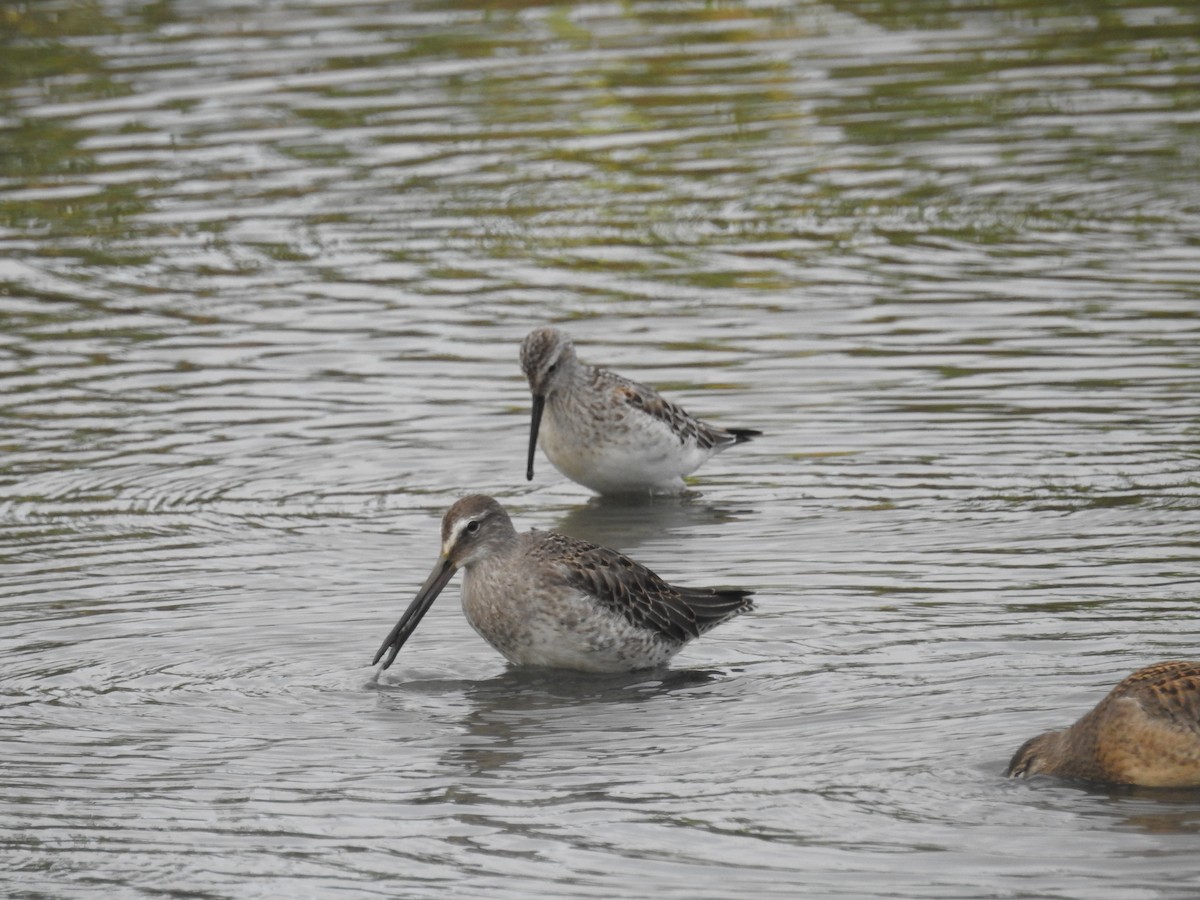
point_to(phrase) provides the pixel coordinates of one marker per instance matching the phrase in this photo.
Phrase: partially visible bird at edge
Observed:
(1145, 732)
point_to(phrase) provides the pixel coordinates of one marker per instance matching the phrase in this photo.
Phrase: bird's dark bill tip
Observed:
(442, 572)
(535, 423)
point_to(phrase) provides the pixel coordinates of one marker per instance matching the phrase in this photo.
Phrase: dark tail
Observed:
(743, 434)
(712, 606)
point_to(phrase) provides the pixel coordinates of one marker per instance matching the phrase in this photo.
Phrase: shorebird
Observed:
(545, 599)
(606, 432)
(1145, 732)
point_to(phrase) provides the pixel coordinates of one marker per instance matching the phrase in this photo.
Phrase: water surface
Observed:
(264, 269)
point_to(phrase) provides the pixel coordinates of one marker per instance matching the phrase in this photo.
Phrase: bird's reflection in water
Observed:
(1150, 810)
(529, 712)
(626, 522)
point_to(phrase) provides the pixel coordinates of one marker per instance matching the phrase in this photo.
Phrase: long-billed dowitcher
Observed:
(1145, 732)
(606, 432)
(544, 599)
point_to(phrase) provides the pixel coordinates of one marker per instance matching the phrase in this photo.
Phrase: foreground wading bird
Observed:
(1145, 732)
(606, 432)
(544, 599)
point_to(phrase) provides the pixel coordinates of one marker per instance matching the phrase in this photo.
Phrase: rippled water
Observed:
(264, 269)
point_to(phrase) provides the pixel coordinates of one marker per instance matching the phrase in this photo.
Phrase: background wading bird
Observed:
(606, 432)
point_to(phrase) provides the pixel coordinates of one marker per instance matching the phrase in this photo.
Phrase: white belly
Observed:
(629, 457)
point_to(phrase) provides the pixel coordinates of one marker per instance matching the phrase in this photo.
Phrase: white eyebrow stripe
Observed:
(455, 534)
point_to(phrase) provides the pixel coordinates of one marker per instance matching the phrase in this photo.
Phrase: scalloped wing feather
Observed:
(1168, 690)
(628, 588)
(678, 420)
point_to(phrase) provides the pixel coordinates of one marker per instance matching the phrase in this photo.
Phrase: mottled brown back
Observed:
(1167, 690)
(678, 614)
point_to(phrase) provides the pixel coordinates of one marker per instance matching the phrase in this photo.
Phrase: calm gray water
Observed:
(264, 267)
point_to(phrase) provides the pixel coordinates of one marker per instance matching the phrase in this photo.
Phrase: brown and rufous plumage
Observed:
(1145, 732)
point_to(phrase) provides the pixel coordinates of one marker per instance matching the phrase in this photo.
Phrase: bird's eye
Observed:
(472, 527)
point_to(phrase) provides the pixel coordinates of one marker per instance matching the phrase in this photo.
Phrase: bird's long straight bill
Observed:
(442, 572)
(539, 404)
